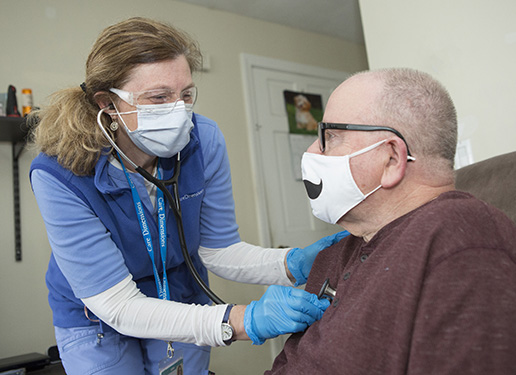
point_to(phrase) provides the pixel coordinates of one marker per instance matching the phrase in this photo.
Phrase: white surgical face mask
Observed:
(330, 185)
(163, 129)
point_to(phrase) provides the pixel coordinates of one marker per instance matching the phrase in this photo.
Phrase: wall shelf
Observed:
(14, 130)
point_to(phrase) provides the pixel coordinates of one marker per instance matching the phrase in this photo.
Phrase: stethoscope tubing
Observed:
(174, 204)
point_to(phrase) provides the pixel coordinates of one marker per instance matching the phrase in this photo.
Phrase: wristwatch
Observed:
(227, 330)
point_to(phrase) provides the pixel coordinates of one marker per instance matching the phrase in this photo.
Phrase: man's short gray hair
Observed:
(420, 108)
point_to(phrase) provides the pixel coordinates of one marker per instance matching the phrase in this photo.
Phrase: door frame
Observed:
(248, 63)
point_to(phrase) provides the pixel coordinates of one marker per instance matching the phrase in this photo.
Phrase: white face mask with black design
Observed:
(330, 185)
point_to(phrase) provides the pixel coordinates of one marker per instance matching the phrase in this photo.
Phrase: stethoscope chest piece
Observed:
(327, 291)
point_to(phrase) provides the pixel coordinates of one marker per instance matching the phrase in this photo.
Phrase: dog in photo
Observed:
(304, 118)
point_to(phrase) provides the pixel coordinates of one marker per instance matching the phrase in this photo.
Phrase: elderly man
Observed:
(426, 283)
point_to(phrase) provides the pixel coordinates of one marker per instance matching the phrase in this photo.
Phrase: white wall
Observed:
(44, 45)
(468, 45)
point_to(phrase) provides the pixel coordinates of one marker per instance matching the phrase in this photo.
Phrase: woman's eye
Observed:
(156, 97)
(187, 96)
(160, 98)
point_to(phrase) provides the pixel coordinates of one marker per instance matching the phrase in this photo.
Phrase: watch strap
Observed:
(225, 321)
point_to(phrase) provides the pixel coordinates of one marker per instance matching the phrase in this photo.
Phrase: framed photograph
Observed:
(304, 111)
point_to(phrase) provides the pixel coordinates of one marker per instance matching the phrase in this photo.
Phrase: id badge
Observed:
(172, 365)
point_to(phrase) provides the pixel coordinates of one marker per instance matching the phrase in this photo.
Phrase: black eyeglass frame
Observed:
(322, 126)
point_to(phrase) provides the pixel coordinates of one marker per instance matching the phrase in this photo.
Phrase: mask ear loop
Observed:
(369, 148)
(364, 150)
(110, 140)
(123, 113)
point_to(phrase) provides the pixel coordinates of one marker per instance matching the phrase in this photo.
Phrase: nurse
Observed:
(123, 300)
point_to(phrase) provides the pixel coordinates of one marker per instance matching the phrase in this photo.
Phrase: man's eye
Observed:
(329, 135)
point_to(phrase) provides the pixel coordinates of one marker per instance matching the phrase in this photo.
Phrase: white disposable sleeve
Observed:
(247, 263)
(131, 313)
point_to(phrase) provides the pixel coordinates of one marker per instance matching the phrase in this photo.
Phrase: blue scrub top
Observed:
(94, 232)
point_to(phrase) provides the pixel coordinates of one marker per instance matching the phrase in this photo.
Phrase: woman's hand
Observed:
(281, 310)
(299, 261)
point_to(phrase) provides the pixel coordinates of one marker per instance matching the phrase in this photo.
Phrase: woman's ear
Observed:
(103, 100)
(394, 169)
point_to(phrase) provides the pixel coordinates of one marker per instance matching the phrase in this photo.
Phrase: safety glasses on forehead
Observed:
(158, 96)
(329, 125)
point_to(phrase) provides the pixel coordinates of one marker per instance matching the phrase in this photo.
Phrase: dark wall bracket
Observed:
(15, 130)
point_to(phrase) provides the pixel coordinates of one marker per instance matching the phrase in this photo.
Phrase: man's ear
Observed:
(394, 169)
(103, 100)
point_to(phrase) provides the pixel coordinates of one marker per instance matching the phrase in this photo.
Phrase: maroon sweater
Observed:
(433, 292)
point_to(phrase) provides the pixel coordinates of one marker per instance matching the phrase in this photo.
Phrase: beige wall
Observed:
(469, 45)
(44, 45)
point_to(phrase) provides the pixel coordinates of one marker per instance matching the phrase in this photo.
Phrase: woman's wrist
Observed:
(236, 320)
(289, 274)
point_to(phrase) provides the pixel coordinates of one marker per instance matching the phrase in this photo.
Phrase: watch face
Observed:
(227, 332)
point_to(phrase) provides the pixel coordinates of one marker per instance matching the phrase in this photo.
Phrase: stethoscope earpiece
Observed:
(327, 291)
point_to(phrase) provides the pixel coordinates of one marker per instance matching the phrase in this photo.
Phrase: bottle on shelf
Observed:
(26, 101)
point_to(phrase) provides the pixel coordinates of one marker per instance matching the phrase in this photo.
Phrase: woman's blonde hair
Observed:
(68, 128)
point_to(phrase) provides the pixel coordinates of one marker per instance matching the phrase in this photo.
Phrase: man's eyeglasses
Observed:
(328, 125)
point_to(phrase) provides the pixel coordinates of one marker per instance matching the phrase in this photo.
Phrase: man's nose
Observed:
(315, 148)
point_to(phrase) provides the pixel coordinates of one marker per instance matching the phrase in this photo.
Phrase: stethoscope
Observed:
(327, 291)
(173, 200)
(174, 203)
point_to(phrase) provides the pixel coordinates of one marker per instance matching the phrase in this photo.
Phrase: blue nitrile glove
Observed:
(281, 310)
(299, 261)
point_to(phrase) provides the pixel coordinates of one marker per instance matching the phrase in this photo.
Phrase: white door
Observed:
(285, 214)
